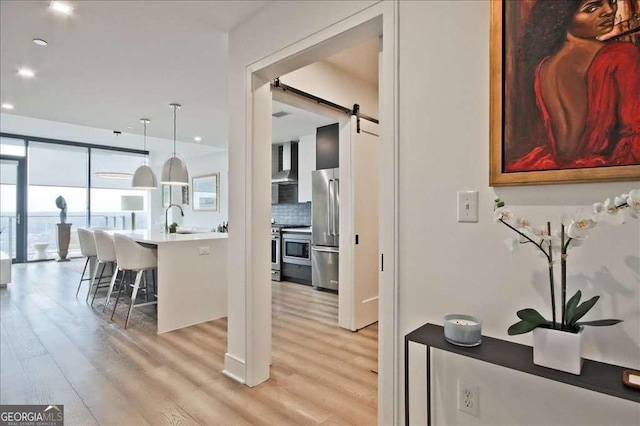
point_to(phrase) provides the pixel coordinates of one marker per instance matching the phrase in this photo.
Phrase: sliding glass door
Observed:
(12, 198)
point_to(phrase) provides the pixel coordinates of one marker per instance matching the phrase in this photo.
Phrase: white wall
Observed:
(448, 267)
(336, 85)
(200, 159)
(198, 166)
(306, 164)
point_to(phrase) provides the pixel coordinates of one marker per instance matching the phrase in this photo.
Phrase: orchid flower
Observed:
(553, 245)
(580, 226)
(502, 213)
(612, 213)
(633, 200)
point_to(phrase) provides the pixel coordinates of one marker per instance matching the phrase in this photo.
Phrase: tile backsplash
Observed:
(292, 214)
(288, 194)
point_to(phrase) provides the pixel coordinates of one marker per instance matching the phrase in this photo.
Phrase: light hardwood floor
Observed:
(56, 349)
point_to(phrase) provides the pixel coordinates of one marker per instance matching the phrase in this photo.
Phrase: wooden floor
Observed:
(55, 349)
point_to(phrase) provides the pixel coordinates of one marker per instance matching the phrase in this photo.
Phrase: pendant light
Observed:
(144, 178)
(174, 171)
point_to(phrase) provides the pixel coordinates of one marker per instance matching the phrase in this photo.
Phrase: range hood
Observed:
(285, 163)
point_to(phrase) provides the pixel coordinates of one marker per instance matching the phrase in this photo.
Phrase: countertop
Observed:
(305, 230)
(153, 236)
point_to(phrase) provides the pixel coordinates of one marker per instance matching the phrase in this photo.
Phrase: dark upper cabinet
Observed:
(327, 147)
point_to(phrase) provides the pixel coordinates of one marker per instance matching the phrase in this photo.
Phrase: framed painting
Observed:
(166, 195)
(206, 192)
(565, 91)
(185, 195)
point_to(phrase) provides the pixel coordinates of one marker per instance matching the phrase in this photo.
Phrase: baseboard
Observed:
(234, 368)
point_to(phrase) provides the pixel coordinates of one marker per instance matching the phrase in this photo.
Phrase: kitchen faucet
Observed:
(166, 212)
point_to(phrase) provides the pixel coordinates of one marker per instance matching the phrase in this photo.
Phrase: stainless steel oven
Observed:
(275, 254)
(296, 249)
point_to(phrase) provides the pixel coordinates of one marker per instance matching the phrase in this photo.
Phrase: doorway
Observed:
(249, 340)
(13, 220)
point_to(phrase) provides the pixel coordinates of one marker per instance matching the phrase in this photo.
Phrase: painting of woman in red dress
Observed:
(573, 97)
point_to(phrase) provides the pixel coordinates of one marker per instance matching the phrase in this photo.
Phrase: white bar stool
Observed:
(88, 250)
(106, 254)
(133, 257)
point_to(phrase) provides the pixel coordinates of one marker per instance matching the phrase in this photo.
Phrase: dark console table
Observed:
(596, 376)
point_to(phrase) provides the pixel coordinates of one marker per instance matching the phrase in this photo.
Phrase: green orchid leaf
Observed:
(521, 327)
(599, 323)
(532, 316)
(572, 304)
(582, 309)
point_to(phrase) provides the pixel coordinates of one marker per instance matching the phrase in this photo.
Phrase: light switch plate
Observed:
(467, 206)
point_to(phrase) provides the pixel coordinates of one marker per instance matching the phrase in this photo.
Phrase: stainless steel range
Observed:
(276, 257)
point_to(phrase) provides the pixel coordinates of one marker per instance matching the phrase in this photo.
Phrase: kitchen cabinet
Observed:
(327, 147)
(300, 274)
(306, 164)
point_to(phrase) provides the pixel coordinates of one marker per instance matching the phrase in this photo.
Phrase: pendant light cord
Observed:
(146, 157)
(175, 108)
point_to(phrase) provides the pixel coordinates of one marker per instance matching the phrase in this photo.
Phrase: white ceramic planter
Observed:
(559, 350)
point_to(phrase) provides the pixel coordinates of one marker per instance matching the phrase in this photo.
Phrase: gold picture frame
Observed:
(504, 98)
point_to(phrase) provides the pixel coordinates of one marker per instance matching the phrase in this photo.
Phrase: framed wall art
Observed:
(565, 91)
(185, 195)
(206, 192)
(166, 195)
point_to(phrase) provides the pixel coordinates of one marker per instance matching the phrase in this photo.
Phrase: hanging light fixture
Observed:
(112, 175)
(143, 177)
(174, 171)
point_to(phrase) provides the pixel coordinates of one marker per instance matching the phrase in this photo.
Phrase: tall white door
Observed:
(365, 153)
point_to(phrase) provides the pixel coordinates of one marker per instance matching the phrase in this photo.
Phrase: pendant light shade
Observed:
(144, 178)
(174, 171)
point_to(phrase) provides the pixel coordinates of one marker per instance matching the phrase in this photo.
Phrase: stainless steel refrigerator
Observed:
(325, 228)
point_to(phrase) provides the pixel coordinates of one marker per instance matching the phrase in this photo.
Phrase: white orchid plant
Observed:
(557, 243)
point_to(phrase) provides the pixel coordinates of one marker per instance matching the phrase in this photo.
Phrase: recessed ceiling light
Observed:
(197, 139)
(61, 7)
(26, 73)
(129, 127)
(7, 106)
(40, 42)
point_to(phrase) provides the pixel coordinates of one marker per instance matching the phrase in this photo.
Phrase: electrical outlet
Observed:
(468, 398)
(204, 250)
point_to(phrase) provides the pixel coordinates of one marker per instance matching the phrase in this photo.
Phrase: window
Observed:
(11, 146)
(106, 193)
(55, 170)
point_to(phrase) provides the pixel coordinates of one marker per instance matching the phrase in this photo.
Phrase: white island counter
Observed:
(192, 276)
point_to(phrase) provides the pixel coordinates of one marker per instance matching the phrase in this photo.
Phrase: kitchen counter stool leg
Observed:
(133, 296)
(111, 285)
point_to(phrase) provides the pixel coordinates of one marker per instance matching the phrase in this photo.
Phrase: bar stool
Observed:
(106, 254)
(88, 250)
(134, 257)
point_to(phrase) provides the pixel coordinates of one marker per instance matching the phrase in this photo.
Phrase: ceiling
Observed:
(296, 123)
(360, 61)
(113, 62)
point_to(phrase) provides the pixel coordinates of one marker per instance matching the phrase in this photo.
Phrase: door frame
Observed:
(378, 19)
(21, 207)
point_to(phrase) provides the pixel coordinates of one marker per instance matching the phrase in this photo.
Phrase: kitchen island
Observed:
(192, 276)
